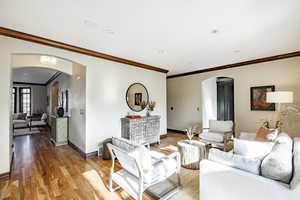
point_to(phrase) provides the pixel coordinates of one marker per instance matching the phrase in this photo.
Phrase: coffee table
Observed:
(192, 152)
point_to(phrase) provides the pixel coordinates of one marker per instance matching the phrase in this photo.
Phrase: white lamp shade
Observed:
(280, 97)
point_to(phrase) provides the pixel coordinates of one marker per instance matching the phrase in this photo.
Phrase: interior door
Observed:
(225, 99)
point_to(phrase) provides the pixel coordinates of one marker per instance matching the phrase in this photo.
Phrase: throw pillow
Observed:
(143, 156)
(252, 148)
(265, 134)
(278, 165)
(251, 165)
(44, 117)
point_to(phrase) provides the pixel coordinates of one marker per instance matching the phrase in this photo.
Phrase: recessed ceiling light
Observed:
(90, 24)
(48, 60)
(160, 51)
(215, 31)
(108, 31)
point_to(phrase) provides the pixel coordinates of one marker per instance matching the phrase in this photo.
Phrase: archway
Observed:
(71, 87)
(217, 99)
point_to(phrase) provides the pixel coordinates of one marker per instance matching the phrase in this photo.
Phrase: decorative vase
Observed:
(60, 111)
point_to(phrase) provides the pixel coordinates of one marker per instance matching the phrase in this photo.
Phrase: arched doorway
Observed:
(217, 99)
(67, 78)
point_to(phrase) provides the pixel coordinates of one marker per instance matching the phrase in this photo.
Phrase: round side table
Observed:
(192, 152)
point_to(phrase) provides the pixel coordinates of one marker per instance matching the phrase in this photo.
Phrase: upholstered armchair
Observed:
(142, 168)
(218, 134)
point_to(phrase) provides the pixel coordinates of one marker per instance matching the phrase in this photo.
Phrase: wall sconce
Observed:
(78, 77)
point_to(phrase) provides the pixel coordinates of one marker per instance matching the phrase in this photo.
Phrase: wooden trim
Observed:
(240, 64)
(176, 131)
(4, 177)
(57, 74)
(82, 154)
(26, 83)
(68, 47)
(91, 154)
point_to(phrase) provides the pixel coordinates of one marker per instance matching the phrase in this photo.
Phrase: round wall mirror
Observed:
(137, 97)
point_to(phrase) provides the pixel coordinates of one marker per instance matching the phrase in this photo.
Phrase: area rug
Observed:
(189, 190)
(26, 131)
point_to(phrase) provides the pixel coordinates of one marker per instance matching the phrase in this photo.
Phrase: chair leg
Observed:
(178, 179)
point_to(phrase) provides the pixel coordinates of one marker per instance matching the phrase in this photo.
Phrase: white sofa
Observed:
(219, 181)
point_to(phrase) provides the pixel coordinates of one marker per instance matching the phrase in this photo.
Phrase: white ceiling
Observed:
(32, 75)
(177, 35)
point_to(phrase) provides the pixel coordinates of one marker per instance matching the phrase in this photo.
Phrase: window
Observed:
(25, 100)
(14, 100)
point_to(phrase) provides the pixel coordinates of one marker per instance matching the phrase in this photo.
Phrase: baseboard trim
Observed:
(91, 154)
(163, 136)
(4, 177)
(176, 131)
(82, 154)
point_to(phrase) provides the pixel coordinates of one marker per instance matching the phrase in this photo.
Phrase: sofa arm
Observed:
(219, 181)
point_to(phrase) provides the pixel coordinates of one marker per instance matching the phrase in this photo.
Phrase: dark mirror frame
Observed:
(127, 98)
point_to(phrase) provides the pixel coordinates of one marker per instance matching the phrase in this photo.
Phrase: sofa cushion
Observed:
(216, 137)
(220, 126)
(277, 165)
(248, 164)
(252, 148)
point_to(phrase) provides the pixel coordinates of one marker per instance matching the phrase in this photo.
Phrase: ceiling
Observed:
(177, 35)
(32, 75)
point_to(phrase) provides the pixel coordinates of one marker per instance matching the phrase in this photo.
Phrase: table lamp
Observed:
(279, 97)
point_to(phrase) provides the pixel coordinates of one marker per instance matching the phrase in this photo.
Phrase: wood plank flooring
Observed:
(42, 171)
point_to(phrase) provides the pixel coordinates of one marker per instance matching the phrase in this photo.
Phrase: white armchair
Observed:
(142, 168)
(218, 133)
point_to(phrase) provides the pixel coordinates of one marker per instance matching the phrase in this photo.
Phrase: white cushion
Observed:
(161, 169)
(216, 137)
(38, 123)
(220, 126)
(278, 164)
(247, 136)
(251, 165)
(143, 156)
(252, 148)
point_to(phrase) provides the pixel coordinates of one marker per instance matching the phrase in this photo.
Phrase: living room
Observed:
(146, 67)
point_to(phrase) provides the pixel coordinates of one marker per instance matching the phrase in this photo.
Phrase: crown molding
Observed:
(40, 40)
(239, 64)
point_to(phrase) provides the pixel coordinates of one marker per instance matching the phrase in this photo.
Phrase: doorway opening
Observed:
(217, 99)
(48, 95)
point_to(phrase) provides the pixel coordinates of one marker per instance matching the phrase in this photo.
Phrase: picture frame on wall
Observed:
(258, 97)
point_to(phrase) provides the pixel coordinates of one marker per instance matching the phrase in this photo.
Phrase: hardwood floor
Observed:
(42, 171)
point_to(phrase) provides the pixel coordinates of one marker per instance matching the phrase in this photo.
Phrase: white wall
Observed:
(38, 97)
(106, 85)
(184, 93)
(209, 101)
(77, 90)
